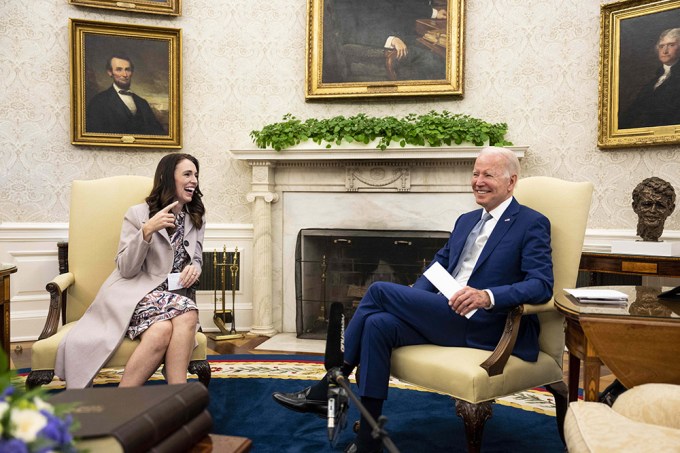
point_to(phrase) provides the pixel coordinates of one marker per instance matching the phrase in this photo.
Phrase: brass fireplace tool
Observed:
(224, 316)
(321, 322)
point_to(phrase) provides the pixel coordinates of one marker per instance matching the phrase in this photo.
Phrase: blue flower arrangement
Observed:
(28, 423)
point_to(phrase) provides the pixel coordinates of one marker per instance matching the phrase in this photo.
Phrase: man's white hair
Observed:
(671, 33)
(511, 161)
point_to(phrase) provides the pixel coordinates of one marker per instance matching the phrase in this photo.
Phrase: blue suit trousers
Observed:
(390, 316)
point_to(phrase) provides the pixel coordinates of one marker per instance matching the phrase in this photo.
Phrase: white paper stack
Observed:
(598, 296)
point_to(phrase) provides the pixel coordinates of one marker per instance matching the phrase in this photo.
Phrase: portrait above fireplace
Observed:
(338, 265)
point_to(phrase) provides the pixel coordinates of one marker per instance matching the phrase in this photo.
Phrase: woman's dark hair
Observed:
(164, 191)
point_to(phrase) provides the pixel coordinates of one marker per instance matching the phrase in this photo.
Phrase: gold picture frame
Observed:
(350, 52)
(143, 107)
(637, 106)
(166, 7)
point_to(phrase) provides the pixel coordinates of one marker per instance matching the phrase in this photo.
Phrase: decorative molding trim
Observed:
(269, 197)
(353, 152)
(32, 232)
(378, 177)
(33, 253)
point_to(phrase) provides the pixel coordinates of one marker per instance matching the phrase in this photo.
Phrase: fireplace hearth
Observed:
(338, 265)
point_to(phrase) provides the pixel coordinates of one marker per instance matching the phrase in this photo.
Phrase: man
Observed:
(653, 202)
(658, 103)
(507, 262)
(391, 24)
(118, 110)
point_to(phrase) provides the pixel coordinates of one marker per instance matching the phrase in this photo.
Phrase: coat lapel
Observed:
(188, 224)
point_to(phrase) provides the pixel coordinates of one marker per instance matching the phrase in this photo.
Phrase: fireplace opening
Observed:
(338, 265)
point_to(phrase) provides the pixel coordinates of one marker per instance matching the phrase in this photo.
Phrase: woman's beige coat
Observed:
(140, 267)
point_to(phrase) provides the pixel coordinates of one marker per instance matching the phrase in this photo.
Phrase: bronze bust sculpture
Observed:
(653, 202)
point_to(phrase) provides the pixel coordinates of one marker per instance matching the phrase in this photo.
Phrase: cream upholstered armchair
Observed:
(644, 418)
(85, 261)
(474, 377)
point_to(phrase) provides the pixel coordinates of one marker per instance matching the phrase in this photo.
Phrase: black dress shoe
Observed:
(354, 448)
(300, 403)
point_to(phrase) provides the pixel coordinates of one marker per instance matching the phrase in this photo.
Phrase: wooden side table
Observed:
(5, 271)
(641, 265)
(638, 342)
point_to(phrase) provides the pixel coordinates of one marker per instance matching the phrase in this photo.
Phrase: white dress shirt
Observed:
(129, 101)
(664, 76)
(470, 261)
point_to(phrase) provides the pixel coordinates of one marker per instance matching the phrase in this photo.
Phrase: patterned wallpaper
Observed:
(530, 63)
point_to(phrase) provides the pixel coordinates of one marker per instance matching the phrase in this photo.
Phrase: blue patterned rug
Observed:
(418, 420)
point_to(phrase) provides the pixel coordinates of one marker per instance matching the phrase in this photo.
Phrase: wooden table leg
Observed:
(574, 371)
(5, 313)
(591, 374)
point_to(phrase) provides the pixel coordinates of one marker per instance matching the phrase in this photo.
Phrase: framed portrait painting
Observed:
(125, 85)
(384, 48)
(167, 7)
(639, 80)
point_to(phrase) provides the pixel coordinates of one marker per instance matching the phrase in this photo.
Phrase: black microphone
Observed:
(335, 338)
(339, 392)
(333, 361)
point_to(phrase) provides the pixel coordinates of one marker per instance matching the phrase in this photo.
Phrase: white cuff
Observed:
(488, 291)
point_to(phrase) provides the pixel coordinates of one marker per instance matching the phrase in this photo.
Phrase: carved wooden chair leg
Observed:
(560, 392)
(474, 417)
(201, 368)
(38, 378)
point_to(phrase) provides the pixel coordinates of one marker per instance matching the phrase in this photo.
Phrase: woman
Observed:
(159, 258)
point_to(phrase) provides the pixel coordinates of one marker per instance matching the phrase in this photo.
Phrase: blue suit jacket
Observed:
(515, 264)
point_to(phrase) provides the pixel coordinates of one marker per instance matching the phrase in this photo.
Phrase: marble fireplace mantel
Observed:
(316, 172)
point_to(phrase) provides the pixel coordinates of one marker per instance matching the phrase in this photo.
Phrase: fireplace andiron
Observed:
(225, 316)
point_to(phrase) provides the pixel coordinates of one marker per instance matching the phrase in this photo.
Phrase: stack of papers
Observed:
(598, 296)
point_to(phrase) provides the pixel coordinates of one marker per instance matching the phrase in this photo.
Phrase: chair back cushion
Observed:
(96, 217)
(566, 204)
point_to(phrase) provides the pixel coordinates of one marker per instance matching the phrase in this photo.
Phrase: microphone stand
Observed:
(337, 412)
(378, 431)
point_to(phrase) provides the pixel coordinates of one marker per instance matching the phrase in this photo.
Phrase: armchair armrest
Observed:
(495, 363)
(60, 283)
(530, 309)
(56, 288)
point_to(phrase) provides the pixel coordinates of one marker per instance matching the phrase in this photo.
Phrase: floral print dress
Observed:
(161, 304)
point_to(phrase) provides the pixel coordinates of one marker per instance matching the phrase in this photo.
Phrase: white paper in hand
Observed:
(444, 282)
(173, 282)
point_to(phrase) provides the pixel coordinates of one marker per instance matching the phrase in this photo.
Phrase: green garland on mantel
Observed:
(431, 129)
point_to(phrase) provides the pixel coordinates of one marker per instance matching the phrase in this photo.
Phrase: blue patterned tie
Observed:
(470, 241)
